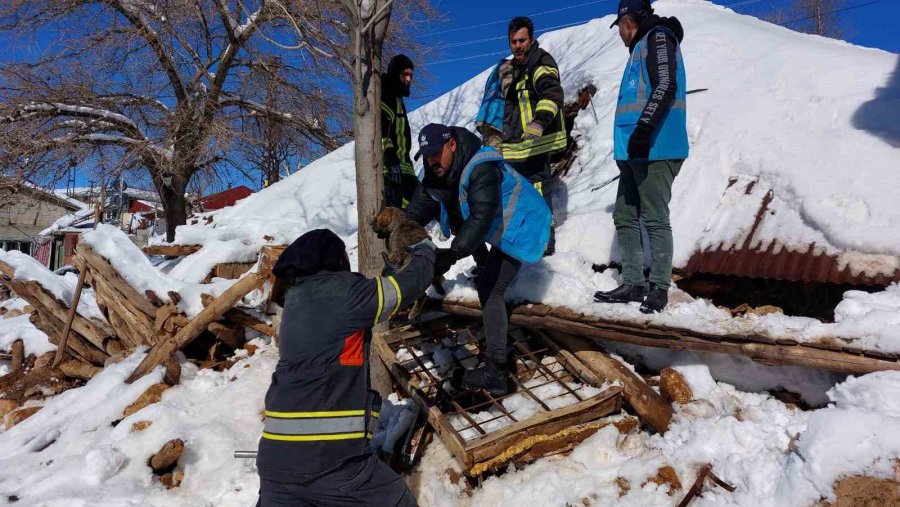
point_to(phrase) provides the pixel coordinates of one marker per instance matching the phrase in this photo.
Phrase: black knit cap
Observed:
(315, 251)
(398, 64)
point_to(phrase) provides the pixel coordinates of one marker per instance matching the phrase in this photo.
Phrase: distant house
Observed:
(222, 199)
(26, 210)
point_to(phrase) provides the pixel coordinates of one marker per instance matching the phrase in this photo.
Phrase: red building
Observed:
(222, 199)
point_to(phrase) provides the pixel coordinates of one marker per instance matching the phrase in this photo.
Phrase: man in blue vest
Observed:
(480, 198)
(319, 410)
(651, 143)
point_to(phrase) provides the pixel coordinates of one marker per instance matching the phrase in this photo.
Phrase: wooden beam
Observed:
(165, 348)
(243, 318)
(769, 352)
(18, 355)
(102, 268)
(67, 329)
(171, 250)
(649, 405)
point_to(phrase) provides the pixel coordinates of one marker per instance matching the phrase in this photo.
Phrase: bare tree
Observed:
(159, 86)
(810, 16)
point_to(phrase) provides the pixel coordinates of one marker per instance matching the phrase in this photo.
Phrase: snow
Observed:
(130, 262)
(20, 328)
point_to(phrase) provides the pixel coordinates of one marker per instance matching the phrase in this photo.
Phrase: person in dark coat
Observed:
(319, 410)
(449, 152)
(399, 177)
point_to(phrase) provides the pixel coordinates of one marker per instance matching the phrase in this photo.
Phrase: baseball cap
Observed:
(630, 7)
(432, 138)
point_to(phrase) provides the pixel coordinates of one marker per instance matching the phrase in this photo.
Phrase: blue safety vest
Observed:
(670, 139)
(521, 227)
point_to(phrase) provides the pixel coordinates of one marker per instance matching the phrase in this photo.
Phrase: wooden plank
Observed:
(133, 325)
(545, 423)
(171, 250)
(101, 268)
(79, 347)
(243, 318)
(67, 329)
(645, 401)
(18, 355)
(232, 270)
(798, 355)
(165, 348)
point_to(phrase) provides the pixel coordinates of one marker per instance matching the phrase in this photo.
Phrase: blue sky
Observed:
(873, 25)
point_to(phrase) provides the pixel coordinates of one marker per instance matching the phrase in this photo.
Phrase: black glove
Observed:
(393, 175)
(639, 143)
(445, 258)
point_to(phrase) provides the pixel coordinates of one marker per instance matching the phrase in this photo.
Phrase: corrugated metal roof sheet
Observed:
(776, 259)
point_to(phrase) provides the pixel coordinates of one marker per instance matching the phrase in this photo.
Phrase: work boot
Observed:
(657, 299)
(489, 376)
(624, 293)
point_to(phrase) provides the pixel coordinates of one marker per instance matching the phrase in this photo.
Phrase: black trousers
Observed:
(536, 170)
(399, 195)
(499, 271)
(363, 480)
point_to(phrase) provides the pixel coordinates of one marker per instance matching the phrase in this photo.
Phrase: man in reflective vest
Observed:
(399, 177)
(319, 409)
(482, 199)
(533, 126)
(650, 140)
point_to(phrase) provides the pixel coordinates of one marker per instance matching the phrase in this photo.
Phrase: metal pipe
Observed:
(244, 454)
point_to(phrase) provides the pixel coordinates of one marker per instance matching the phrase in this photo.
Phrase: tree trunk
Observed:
(174, 206)
(369, 183)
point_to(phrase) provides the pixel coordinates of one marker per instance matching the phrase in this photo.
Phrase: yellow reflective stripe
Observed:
(524, 105)
(380, 301)
(544, 70)
(314, 438)
(539, 186)
(525, 149)
(335, 413)
(547, 105)
(376, 414)
(399, 295)
(386, 143)
(387, 109)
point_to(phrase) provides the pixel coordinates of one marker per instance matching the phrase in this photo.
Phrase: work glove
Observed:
(533, 131)
(639, 143)
(445, 260)
(393, 174)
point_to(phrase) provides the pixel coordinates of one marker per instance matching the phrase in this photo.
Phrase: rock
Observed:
(141, 425)
(15, 417)
(172, 480)
(150, 396)
(167, 455)
(7, 406)
(674, 387)
(666, 475)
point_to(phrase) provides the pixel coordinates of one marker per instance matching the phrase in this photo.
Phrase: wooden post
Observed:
(73, 309)
(18, 355)
(165, 348)
(645, 401)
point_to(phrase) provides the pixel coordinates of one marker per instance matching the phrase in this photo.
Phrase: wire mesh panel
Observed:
(548, 396)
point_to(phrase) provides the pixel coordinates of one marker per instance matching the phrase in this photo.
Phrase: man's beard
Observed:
(402, 89)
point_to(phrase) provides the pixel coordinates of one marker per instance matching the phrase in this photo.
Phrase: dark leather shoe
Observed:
(489, 376)
(657, 299)
(624, 293)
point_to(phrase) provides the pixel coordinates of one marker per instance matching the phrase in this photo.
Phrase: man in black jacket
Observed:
(533, 126)
(399, 177)
(319, 409)
(447, 151)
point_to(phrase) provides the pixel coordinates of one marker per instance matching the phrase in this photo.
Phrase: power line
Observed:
(506, 37)
(536, 14)
(832, 12)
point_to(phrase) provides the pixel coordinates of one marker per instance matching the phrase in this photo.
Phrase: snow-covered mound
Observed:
(793, 112)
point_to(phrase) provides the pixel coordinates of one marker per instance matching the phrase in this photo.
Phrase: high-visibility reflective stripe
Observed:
(400, 126)
(388, 298)
(380, 300)
(314, 438)
(508, 211)
(544, 70)
(399, 295)
(387, 109)
(315, 426)
(332, 413)
(525, 149)
(524, 103)
(539, 186)
(547, 105)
